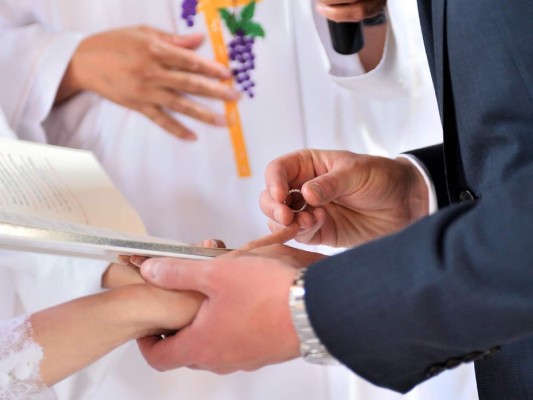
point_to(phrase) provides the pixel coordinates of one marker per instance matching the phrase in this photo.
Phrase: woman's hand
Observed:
(126, 270)
(151, 72)
(77, 333)
(161, 311)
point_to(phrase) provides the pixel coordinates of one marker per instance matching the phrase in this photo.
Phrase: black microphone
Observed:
(346, 37)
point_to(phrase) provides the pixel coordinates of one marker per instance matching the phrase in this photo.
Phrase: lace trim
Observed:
(20, 357)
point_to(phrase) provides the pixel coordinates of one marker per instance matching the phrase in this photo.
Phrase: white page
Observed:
(35, 234)
(61, 184)
(60, 201)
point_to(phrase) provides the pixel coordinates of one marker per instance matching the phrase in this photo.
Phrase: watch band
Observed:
(311, 348)
(378, 19)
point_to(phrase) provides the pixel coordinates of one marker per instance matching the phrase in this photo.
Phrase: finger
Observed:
(188, 60)
(168, 50)
(337, 2)
(331, 186)
(160, 353)
(197, 84)
(176, 274)
(124, 260)
(171, 352)
(192, 41)
(169, 124)
(278, 212)
(186, 106)
(310, 225)
(211, 243)
(138, 260)
(288, 172)
(342, 12)
(279, 237)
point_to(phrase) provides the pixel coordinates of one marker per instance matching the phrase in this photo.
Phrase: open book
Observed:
(60, 201)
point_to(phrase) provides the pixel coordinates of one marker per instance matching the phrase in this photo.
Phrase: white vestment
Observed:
(305, 97)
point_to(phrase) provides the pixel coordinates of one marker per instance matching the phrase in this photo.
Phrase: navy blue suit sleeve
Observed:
(457, 282)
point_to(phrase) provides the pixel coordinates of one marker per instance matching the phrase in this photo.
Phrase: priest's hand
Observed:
(349, 10)
(151, 72)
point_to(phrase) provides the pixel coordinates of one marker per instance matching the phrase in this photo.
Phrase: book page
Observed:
(61, 184)
(36, 234)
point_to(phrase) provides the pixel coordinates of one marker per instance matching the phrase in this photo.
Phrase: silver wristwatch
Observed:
(311, 349)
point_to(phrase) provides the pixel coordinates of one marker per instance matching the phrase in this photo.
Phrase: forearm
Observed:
(77, 333)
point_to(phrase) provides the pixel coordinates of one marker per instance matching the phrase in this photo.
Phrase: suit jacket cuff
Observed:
(433, 160)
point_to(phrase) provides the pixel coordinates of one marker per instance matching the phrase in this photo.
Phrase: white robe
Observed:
(305, 97)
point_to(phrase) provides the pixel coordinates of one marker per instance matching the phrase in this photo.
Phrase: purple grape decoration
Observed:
(188, 11)
(240, 49)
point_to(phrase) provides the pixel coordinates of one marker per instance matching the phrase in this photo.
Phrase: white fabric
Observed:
(20, 356)
(433, 205)
(190, 191)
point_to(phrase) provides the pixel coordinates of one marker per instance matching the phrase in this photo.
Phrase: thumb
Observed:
(327, 188)
(173, 274)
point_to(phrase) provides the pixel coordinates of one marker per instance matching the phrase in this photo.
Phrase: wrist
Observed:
(124, 309)
(311, 348)
(153, 311)
(73, 81)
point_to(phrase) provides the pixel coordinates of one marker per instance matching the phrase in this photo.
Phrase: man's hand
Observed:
(151, 72)
(349, 10)
(243, 324)
(352, 198)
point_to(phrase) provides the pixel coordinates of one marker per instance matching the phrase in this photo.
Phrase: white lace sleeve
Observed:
(20, 357)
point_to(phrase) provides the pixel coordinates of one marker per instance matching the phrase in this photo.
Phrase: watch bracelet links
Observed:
(311, 348)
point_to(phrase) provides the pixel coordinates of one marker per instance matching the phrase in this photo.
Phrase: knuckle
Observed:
(154, 47)
(147, 73)
(194, 65)
(194, 84)
(177, 104)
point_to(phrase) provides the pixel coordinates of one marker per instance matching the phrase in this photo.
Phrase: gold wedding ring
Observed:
(290, 201)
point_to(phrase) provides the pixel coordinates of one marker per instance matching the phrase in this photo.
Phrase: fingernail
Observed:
(210, 243)
(317, 190)
(151, 270)
(220, 120)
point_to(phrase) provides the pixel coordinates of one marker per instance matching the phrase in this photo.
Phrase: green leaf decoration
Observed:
(247, 12)
(230, 20)
(225, 14)
(251, 28)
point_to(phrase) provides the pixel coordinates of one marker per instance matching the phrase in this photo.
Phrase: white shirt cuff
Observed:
(432, 194)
